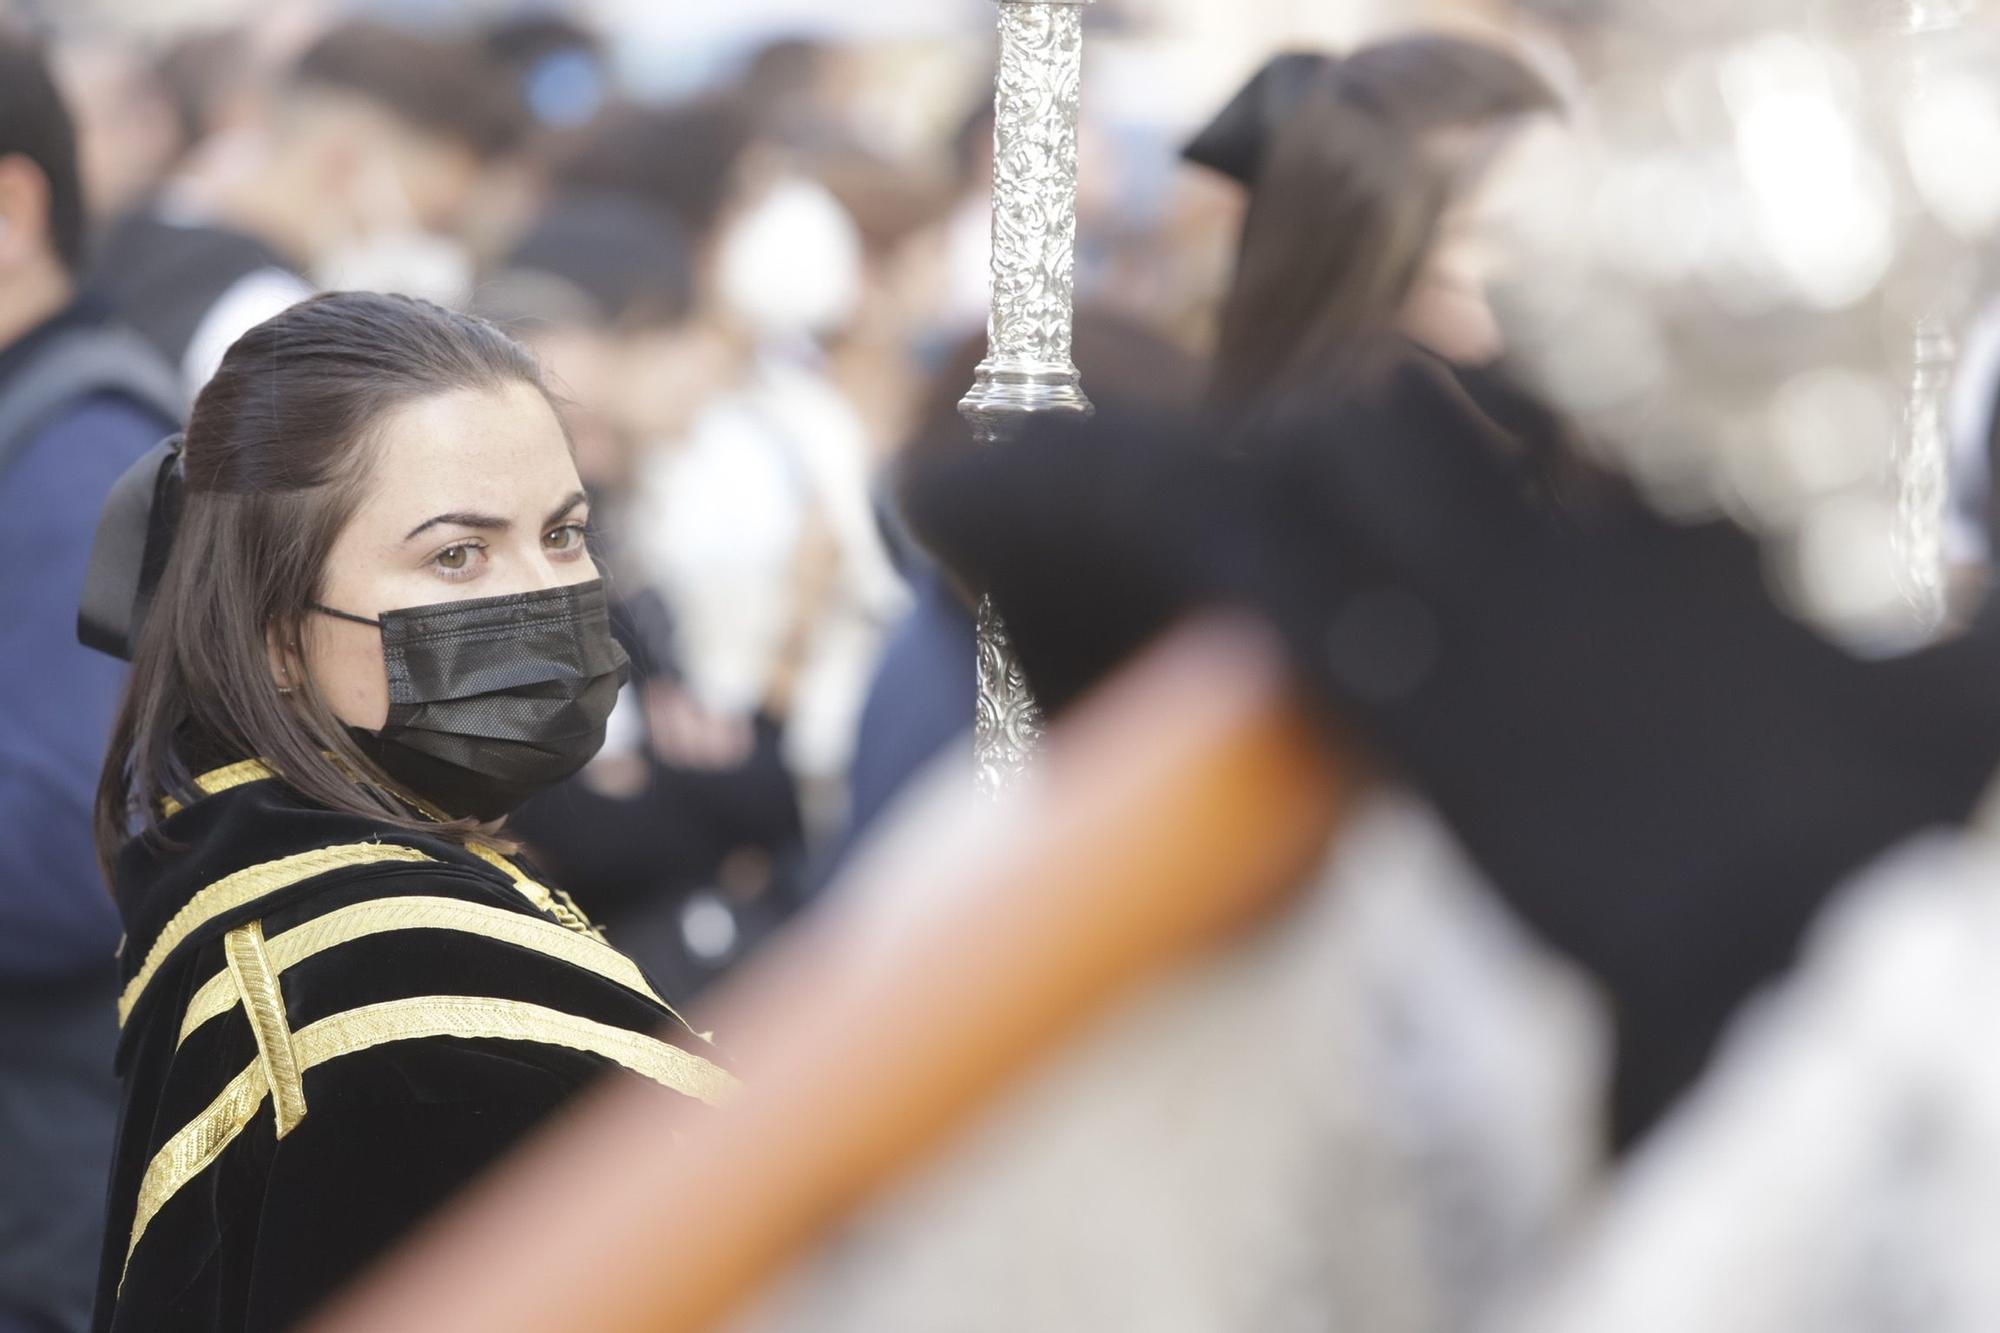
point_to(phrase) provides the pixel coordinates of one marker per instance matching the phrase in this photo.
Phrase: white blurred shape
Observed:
(792, 265)
(1847, 574)
(1610, 354)
(1652, 218)
(1951, 136)
(1821, 203)
(1832, 428)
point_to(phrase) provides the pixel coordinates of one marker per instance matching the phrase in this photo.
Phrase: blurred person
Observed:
(376, 631)
(80, 399)
(560, 69)
(209, 75)
(682, 835)
(753, 488)
(1365, 175)
(129, 128)
(371, 157)
(1618, 785)
(559, 75)
(695, 183)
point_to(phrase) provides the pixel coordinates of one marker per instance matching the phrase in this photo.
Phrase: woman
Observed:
(1366, 176)
(378, 628)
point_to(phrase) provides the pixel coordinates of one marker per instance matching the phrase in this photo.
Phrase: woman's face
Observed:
(1449, 309)
(473, 494)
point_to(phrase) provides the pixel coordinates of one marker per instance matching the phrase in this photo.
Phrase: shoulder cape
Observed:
(329, 1024)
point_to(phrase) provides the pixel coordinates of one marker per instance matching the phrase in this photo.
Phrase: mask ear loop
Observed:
(344, 615)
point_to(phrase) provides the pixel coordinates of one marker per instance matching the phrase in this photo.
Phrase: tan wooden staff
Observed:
(1176, 806)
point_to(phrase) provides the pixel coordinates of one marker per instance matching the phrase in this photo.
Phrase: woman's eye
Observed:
(568, 537)
(457, 560)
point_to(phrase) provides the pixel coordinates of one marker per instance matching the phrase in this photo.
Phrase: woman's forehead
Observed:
(494, 451)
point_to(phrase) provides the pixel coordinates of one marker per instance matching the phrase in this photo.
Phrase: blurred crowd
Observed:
(755, 301)
(761, 301)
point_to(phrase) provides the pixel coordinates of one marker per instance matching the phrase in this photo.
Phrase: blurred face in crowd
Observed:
(470, 494)
(1450, 308)
(365, 173)
(666, 376)
(582, 364)
(126, 130)
(33, 281)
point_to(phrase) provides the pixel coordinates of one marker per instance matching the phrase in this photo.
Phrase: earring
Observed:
(285, 684)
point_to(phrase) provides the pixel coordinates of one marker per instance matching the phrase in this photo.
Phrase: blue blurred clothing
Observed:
(58, 927)
(56, 918)
(922, 700)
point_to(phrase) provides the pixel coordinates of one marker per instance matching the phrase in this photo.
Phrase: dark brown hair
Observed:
(35, 124)
(1347, 202)
(277, 454)
(445, 85)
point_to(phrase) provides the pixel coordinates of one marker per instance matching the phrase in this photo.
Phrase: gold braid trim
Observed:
(512, 1020)
(556, 903)
(257, 983)
(246, 886)
(201, 1140)
(194, 1146)
(360, 920)
(222, 779)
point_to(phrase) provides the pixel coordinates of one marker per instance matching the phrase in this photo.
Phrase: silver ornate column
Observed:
(1027, 367)
(1920, 459)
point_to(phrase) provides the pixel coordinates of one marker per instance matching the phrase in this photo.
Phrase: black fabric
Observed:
(262, 1234)
(1234, 143)
(1662, 772)
(636, 862)
(163, 278)
(129, 552)
(493, 699)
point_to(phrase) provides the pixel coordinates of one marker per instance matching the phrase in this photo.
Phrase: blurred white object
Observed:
(719, 520)
(409, 261)
(1839, 1168)
(791, 266)
(1368, 1116)
(248, 302)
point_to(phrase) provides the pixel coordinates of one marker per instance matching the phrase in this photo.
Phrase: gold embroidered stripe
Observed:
(257, 984)
(197, 1143)
(539, 894)
(246, 886)
(563, 908)
(202, 1139)
(222, 779)
(511, 1020)
(359, 920)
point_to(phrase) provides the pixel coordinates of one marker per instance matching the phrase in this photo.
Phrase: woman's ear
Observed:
(287, 664)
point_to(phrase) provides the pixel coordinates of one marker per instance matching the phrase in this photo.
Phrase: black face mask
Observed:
(494, 699)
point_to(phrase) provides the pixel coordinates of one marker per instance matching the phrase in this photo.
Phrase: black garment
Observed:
(164, 278)
(1662, 772)
(353, 1020)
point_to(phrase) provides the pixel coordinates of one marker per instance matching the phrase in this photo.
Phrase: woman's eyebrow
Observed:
(561, 511)
(462, 519)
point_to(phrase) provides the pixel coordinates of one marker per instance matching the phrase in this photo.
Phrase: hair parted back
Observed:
(277, 456)
(1347, 203)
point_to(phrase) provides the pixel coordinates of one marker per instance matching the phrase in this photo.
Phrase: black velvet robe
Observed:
(329, 1025)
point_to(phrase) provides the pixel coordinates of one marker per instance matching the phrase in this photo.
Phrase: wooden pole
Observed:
(1176, 806)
